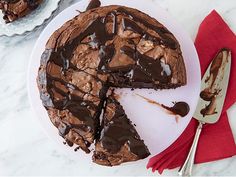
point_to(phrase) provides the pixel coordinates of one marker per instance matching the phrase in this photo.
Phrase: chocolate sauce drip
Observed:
(167, 41)
(62, 56)
(64, 128)
(152, 68)
(69, 86)
(133, 26)
(179, 108)
(60, 59)
(98, 37)
(105, 54)
(93, 4)
(118, 130)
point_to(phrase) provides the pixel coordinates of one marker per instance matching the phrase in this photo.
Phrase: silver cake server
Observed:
(213, 91)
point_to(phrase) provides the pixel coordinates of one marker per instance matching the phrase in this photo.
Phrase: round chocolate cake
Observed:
(14, 9)
(102, 48)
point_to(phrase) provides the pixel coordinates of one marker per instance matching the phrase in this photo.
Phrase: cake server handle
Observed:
(186, 169)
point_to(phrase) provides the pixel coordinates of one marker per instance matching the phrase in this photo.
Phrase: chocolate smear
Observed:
(179, 108)
(211, 93)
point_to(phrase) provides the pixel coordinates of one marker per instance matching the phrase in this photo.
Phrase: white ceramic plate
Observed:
(158, 129)
(29, 22)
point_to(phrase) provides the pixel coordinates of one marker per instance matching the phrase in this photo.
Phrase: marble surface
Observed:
(26, 150)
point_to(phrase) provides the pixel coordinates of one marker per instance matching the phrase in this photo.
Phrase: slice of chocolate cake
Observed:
(15, 9)
(73, 93)
(112, 46)
(119, 141)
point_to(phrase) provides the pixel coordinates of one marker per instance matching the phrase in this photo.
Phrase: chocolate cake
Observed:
(104, 47)
(119, 141)
(15, 9)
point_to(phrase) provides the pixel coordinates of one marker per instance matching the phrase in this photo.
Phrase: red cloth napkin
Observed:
(216, 141)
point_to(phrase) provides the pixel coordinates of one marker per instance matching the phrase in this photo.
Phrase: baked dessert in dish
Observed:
(105, 47)
(15, 9)
(119, 141)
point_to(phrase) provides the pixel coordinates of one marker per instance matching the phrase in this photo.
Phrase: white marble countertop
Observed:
(26, 150)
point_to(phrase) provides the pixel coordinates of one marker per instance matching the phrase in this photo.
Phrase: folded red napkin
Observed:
(216, 141)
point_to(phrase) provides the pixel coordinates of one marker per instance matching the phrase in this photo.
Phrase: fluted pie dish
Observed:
(20, 16)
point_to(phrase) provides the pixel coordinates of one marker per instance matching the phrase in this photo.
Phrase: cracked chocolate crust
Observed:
(15, 9)
(119, 141)
(112, 46)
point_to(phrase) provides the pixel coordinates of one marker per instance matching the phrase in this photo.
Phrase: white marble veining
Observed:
(26, 150)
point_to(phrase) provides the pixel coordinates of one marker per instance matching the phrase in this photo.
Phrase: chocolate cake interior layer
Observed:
(14, 9)
(119, 141)
(111, 46)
